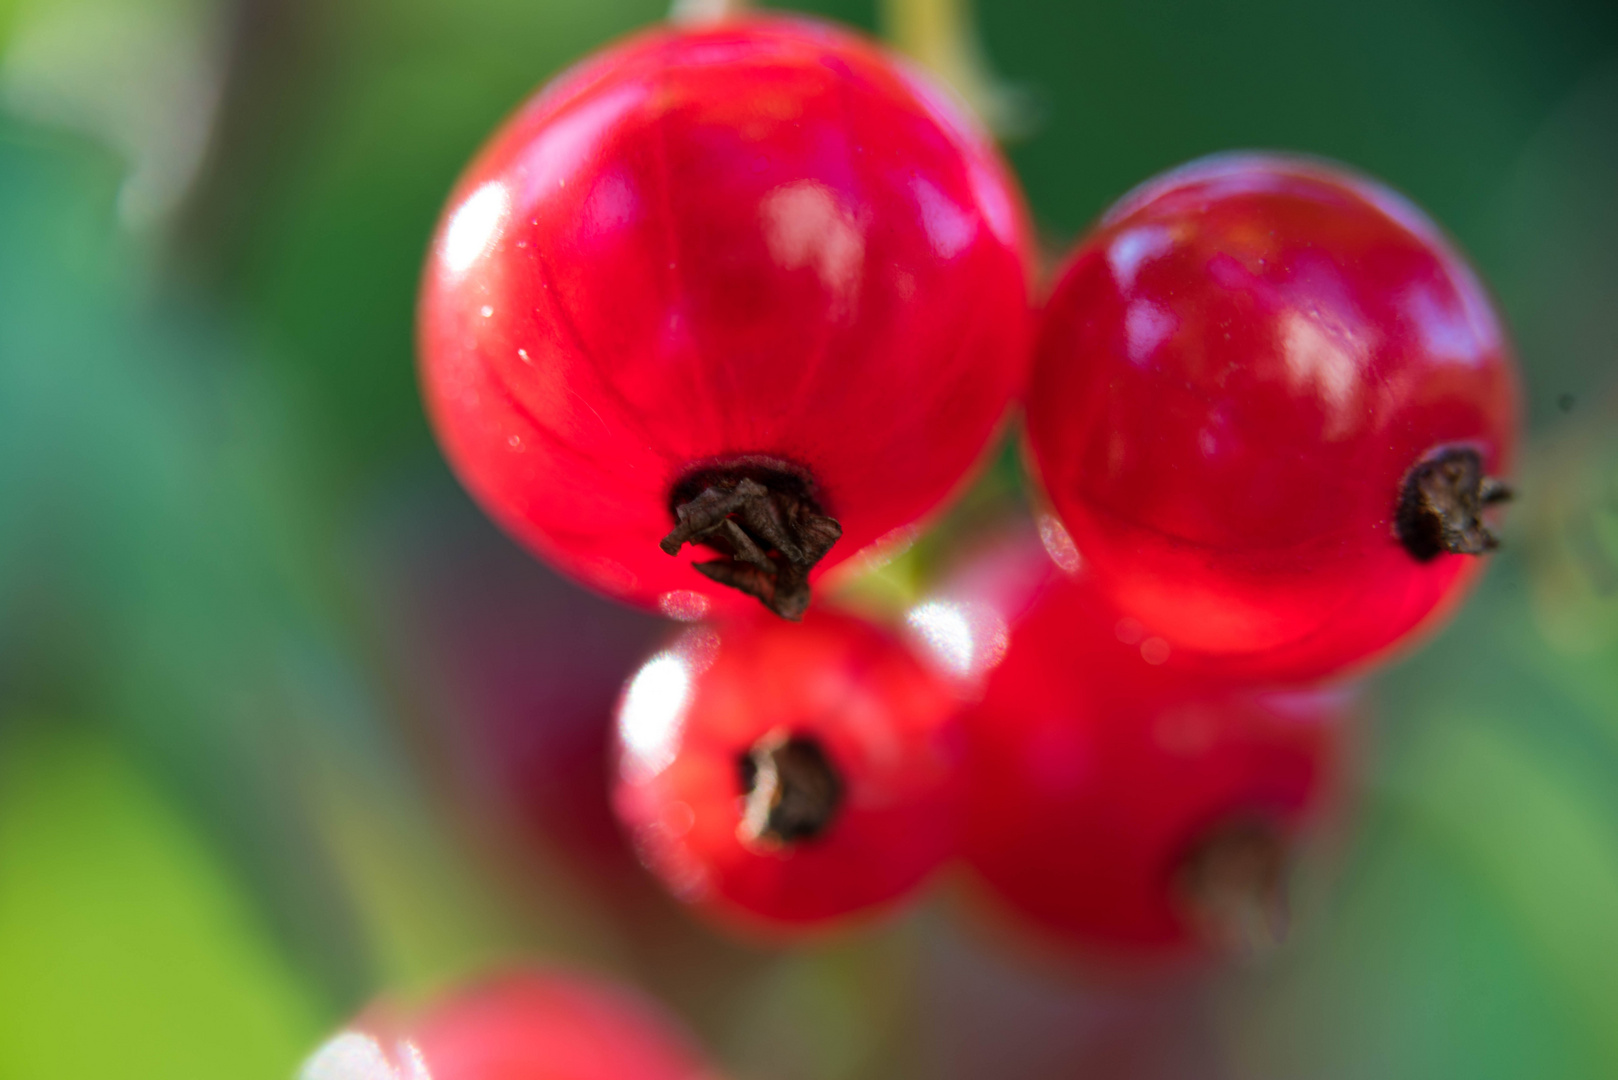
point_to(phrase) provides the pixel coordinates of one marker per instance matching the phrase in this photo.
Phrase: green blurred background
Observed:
(284, 722)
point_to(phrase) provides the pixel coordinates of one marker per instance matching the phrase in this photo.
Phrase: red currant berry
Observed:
(1120, 807)
(1268, 404)
(757, 284)
(783, 776)
(516, 1027)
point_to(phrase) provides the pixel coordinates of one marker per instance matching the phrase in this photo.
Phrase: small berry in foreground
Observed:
(516, 1027)
(1270, 404)
(750, 296)
(783, 776)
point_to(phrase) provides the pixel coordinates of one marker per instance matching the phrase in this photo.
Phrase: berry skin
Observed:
(757, 284)
(1123, 810)
(783, 777)
(1268, 398)
(516, 1027)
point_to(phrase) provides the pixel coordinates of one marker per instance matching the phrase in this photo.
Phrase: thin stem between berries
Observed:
(760, 515)
(793, 790)
(1441, 506)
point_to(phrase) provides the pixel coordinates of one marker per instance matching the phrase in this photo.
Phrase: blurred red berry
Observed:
(1120, 806)
(1268, 404)
(758, 284)
(782, 776)
(517, 672)
(516, 1027)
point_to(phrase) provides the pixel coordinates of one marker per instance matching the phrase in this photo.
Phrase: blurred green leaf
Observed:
(1552, 242)
(1422, 973)
(141, 75)
(428, 916)
(1540, 841)
(125, 950)
(160, 570)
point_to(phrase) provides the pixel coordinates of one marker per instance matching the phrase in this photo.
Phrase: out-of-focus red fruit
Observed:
(516, 1027)
(751, 295)
(783, 777)
(517, 671)
(1118, 805)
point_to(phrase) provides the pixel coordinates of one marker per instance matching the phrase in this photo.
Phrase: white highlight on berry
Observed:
(966, 640)
(994, 203)
(950, 229)
(1059, 545)
(652, 715)
(476, 226)
(1326, 355)
(945, 631)
(684, 605)
(805, 227)
(1146, 326)
(352, 1056)
(1132, 248)
(416, 1064)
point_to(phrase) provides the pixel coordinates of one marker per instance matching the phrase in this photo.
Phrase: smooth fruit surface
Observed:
(765, 242)
(779, 775)
(1237, 371)
(516, 1027)
(1119, 806)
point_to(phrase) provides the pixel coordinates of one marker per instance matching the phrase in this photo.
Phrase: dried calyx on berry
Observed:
(763, 519)
(1233, 251)
(1441, 506)
(784, 777)
(575, 370)
(792, 789)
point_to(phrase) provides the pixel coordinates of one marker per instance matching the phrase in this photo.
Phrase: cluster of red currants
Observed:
(723, 307)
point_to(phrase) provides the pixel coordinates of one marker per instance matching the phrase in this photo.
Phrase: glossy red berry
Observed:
(515, 1027)
(752, 296)
(1116, 806)
(1268, 402)
(782, 776)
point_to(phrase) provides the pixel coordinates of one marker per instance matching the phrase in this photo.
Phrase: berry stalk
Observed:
(793, 789)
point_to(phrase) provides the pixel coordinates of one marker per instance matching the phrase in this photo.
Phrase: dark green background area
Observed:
(232, 564)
